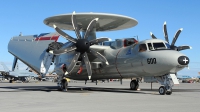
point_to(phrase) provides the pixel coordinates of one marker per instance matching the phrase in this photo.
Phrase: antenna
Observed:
(137, 37)
(20, 34)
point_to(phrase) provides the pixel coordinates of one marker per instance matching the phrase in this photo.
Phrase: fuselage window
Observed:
(159, 45)
(150, 46)
(142, 47)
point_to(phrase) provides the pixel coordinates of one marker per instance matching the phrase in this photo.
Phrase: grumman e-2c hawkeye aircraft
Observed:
(83, 58)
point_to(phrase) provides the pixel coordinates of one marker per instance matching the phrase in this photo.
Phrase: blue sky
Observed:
(27, 16)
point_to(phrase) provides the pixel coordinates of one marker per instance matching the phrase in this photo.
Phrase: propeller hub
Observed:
(82, 45)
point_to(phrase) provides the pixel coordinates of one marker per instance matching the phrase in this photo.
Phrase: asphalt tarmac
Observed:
(104, 97)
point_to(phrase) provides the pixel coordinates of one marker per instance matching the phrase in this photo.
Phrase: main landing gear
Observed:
(167, 86)
(63, 84)
(134, 85)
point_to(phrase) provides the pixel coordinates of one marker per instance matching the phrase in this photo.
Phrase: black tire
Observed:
(162, 90)
(64, 85)
(169, 92)
(134, 85)
(11, 81)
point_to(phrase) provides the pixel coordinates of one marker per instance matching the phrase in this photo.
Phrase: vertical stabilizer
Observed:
(5, 67)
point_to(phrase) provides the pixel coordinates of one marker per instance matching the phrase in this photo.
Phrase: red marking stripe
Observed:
(47, 38)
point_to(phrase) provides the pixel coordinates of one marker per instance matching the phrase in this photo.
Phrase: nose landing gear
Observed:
(167, 86)
(163, 91)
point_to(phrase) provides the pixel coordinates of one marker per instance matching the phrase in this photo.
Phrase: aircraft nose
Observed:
(183, 60)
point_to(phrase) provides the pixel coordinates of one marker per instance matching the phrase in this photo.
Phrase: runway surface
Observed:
(104, 97)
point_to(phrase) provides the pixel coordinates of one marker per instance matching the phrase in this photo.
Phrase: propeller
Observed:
(172, 46)
(80, 46)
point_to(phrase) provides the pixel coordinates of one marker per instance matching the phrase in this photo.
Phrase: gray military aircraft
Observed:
(16, 74)
(83, 58)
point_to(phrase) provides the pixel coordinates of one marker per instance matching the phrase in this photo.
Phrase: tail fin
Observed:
(5, 67)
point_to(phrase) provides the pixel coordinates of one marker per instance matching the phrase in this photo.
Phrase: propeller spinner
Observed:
(80, 45)
(172, 46)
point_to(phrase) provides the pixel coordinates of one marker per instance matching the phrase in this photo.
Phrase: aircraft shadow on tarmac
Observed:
(79, 89)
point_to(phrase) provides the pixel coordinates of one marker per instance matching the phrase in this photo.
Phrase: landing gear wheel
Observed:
(162, 90)
(169, 92)
(134, 85)
(11, 81)
(64, 85)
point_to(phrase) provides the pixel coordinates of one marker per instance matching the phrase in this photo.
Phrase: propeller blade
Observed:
(66, 36)
(100, 56)
(176, 36)
(165, 31)
(73, 63)
(63, 50)
(96, 41)
(90, 27)
(87, 64)
(152, 36)
(74, 23)
(179, 48)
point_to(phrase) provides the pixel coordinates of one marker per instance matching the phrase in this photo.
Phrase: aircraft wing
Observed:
(31, 49)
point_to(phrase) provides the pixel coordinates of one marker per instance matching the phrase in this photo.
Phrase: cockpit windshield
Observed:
(167, 45)
(158, 45)
(153, 46)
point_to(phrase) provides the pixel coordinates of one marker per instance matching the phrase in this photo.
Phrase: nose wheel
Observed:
(163, 90)
(167, 86)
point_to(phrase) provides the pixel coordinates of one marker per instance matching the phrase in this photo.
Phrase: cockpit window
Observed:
(142, 47)
(159, 45)
(168, 46)
(150, 46)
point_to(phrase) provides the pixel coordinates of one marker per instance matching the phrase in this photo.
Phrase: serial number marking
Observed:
(151, 60)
